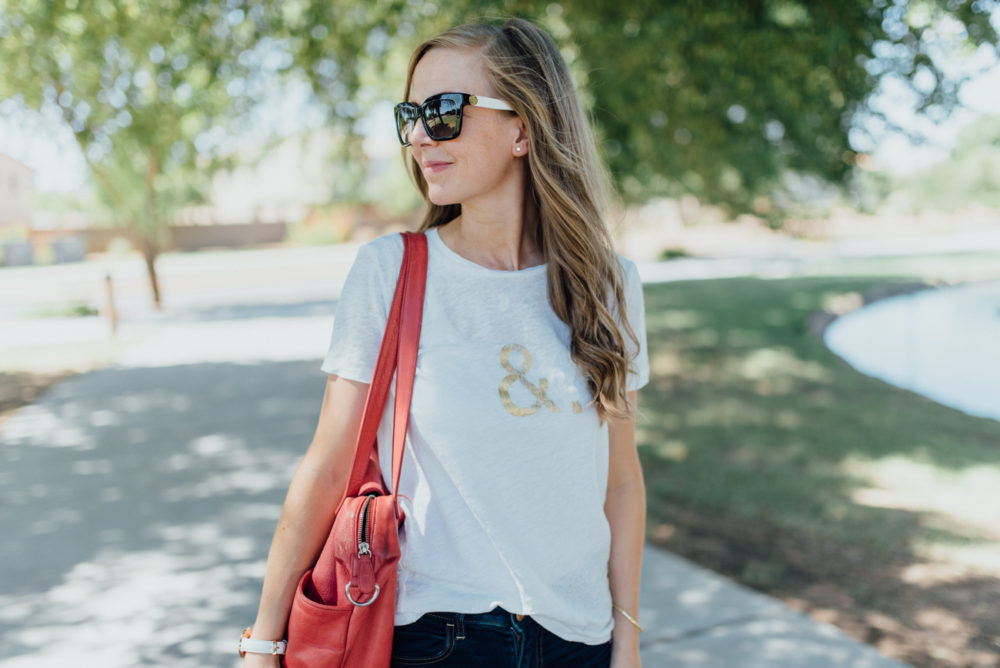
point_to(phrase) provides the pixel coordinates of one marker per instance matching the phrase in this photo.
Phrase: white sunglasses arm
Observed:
(489, 103)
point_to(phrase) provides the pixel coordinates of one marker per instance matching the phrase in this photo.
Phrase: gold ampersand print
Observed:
(517, 376)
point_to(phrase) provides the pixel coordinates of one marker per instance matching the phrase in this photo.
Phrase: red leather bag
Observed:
(343, 610)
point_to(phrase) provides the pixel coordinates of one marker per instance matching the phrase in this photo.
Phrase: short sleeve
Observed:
(636, 311)
(362, 311)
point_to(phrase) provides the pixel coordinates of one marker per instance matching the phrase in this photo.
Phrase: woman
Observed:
(521, 485)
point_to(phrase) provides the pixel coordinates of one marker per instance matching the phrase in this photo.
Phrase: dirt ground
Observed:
(20, 388)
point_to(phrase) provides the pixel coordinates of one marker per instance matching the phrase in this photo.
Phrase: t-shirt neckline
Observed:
(436, 241)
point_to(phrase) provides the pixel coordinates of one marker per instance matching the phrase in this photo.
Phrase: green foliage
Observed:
(73, 309)
(672, 253)
(970, 175)
(145, 86)
(716, 99)
(869, 189)
(83, 199)
(719, 99)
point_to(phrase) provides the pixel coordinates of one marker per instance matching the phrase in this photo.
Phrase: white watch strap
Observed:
(263, 646)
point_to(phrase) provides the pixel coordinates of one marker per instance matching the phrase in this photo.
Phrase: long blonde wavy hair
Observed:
(567, 195)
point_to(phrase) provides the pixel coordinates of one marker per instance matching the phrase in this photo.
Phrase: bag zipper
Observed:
(363, 527)
(362, 566)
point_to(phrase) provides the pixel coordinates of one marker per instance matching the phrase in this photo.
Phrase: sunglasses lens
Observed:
(406, 118)
(444, 116)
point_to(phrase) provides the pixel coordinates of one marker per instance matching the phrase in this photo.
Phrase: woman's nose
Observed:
(418, 135)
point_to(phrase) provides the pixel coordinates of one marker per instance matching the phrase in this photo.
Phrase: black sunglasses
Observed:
(441, 115)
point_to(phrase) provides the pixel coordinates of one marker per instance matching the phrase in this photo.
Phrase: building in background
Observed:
(275, 184)
(17, 186)
(277, 192)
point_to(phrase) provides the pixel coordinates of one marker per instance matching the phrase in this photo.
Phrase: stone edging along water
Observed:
(817, 322)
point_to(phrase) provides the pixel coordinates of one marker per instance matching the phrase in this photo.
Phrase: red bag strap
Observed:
(409, 343)
(408, 298)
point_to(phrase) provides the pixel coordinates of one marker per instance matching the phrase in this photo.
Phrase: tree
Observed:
(742, 91)
(718, 99)
(148, 89)
(971, 174)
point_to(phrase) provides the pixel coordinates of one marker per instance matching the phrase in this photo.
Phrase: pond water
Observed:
(942, 343)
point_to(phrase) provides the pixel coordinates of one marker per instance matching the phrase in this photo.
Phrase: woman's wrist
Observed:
(625, 636)
(266, 628)
(625, 654)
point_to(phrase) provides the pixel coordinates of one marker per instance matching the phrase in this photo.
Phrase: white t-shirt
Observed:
(505, 468)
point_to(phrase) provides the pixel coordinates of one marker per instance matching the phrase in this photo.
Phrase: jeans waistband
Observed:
(495, 617)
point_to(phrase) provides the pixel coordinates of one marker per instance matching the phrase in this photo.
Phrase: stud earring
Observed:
(518, 149)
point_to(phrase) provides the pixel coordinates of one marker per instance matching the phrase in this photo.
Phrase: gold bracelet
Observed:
(627, 616)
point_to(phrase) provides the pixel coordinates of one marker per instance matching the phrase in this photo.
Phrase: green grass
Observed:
(672, 253)
(70, 309)
(747, 414)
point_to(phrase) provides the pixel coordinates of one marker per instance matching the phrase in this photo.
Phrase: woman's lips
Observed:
(435, 167)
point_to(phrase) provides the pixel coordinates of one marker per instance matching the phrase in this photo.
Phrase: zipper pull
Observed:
(363, 570)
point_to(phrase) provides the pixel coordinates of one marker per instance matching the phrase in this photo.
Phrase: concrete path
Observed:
(696, 618)
(137, 506)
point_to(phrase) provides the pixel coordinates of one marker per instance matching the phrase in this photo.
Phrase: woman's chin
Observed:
(440, 197)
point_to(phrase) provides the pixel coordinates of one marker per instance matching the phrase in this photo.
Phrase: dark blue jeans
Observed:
(493, 639)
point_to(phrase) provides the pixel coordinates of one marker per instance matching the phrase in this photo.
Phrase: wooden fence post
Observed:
(112, 312)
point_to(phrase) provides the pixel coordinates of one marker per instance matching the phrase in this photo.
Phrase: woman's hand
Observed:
(255, 660)
(625, 656)
(625, 645)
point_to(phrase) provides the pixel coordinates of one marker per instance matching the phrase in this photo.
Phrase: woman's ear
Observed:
(521, 140)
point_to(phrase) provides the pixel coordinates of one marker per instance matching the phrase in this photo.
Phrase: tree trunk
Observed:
(150, 243)
(150, 249)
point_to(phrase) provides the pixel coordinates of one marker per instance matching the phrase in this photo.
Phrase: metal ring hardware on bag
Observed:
(347, 590)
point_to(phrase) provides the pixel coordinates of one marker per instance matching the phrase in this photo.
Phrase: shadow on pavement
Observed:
(137, 507)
